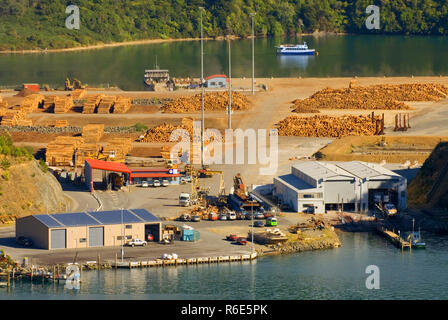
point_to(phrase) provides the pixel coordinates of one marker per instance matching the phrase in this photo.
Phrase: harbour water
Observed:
(331, 274)
(339, 56)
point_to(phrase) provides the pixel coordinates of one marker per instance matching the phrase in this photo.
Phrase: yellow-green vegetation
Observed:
(430, 186)
(392, 149)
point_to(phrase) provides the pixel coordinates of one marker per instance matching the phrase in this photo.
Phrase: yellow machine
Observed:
(77, 84)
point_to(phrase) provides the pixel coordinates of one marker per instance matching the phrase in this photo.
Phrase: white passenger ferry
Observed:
(295, 49)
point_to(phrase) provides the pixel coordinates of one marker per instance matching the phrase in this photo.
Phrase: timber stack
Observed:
(92, 103)
(60, 151)
(106, 104)
(60, 123)
(328, 126)
(3, 103)
(63, 104)
(15, 117)
(92, 133)
(49, 103)
(87, 150)
(117, 148)
(216, 101)
(122, 105)
(78, 94)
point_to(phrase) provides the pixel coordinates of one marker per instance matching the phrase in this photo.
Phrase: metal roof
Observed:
(365, 170)
(107, 165)
(321, 170)
(294, 182)
(215, 76)
(61, 220)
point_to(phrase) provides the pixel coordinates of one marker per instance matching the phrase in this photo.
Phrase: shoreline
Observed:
(100, 45)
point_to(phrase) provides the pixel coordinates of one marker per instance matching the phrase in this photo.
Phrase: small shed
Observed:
(216, 81)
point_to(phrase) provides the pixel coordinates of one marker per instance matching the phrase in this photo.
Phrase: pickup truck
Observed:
(137, 242)
(184, 199)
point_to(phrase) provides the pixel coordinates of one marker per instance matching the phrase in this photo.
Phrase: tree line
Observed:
(31, 24)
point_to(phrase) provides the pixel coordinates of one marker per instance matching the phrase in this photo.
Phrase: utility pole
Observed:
(122, 236)
(230, 87)
(253, 53)
(202, 91)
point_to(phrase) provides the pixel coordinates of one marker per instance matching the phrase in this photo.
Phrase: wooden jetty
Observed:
(185, 261)
(394, 238)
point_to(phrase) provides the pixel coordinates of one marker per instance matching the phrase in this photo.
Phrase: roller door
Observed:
(96, 237)
(58, 239)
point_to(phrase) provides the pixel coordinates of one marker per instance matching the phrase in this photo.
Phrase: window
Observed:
(82, 240)
(119, 238)
(129, 237)
(212, 83)
(128, 226)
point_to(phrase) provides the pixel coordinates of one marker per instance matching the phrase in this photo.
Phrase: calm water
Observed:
(339, 56)
(332, 274)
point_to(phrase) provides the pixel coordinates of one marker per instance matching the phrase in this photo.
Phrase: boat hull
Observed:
(306, 53)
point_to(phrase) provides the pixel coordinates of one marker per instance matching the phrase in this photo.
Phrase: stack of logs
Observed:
(32, 102)
(92, 103)
(118, 148)
(61, 123)
(328, 126)
(162, 133)
(92, 133)
(106, 104)
(63, 104)
(49, 103)
(60, 151)
(122, 105)
(86, 150)
(15, 117)
(216, 101)
(78, 94)
(3, 106)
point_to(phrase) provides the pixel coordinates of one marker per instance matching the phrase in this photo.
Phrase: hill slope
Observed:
(31, 24)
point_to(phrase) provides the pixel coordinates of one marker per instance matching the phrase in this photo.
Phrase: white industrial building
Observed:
(315, 186)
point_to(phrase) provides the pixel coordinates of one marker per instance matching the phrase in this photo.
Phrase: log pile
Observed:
(106, 104)
(92, 133)
(78, 94)
(118, 148)
(63, 104)
(14, 118)
(328, 126)
(60, 151)
(61, 123)
(122, 105)
(3, 104)
(87, 150)
(49, 102)
(204, 212)
(32, 102)
(216, 101)
(92, 103)
(162, 133)
(387, 97)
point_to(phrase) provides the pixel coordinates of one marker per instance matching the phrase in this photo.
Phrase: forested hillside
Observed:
(30, 24)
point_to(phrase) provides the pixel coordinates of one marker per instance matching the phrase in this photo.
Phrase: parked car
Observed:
(145, 184)
(240, 216)
(242, 241)
(213, 216)
(195, 218)
(249, 215)
(137, 242)
(165, 183)
(23, 241)
(231, 215)
(156, 183)
(268, 214)
(222, 217)
(149, 237)
(187, 179)
(259, 215)
(271, 221)
(259, 223)
(232, 237)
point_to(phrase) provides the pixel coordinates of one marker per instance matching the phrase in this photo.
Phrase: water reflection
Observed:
(290, 61)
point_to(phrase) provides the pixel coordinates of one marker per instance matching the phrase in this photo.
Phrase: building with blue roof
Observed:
(88, 229)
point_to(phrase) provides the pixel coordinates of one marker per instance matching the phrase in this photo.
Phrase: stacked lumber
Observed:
(386, 97)
(216, 101)
(92, 103)
(49, 102)
(3, 111)
(63, 104)
(60, 151)
(25, 122)
(61, 123)
(32, 102)
(13, 117)
(92, 133)
(122, 105)
(106, 104)
(78, 94)
(204, 212)
(118, 148)
(327, 126)
(87, 150)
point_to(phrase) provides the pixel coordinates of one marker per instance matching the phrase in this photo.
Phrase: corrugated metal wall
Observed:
(96, 236)
(58, 239)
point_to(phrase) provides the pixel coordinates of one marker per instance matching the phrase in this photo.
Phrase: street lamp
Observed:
(202, 90)
(252, 14)
(229, 111)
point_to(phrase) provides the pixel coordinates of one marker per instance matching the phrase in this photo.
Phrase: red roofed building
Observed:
(216, 81)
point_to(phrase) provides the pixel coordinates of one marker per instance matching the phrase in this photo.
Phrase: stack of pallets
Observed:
(92, 103)
(78, 94)
(118, 148)
(106, 104)
(63, 104)
(122, 105)
(61, 123)
(60, 151)
(92, 133)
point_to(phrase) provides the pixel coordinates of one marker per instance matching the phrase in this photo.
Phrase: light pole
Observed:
(252, 232)
(202, 91)
(122, 236)
(230, 87)
(252, 14)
